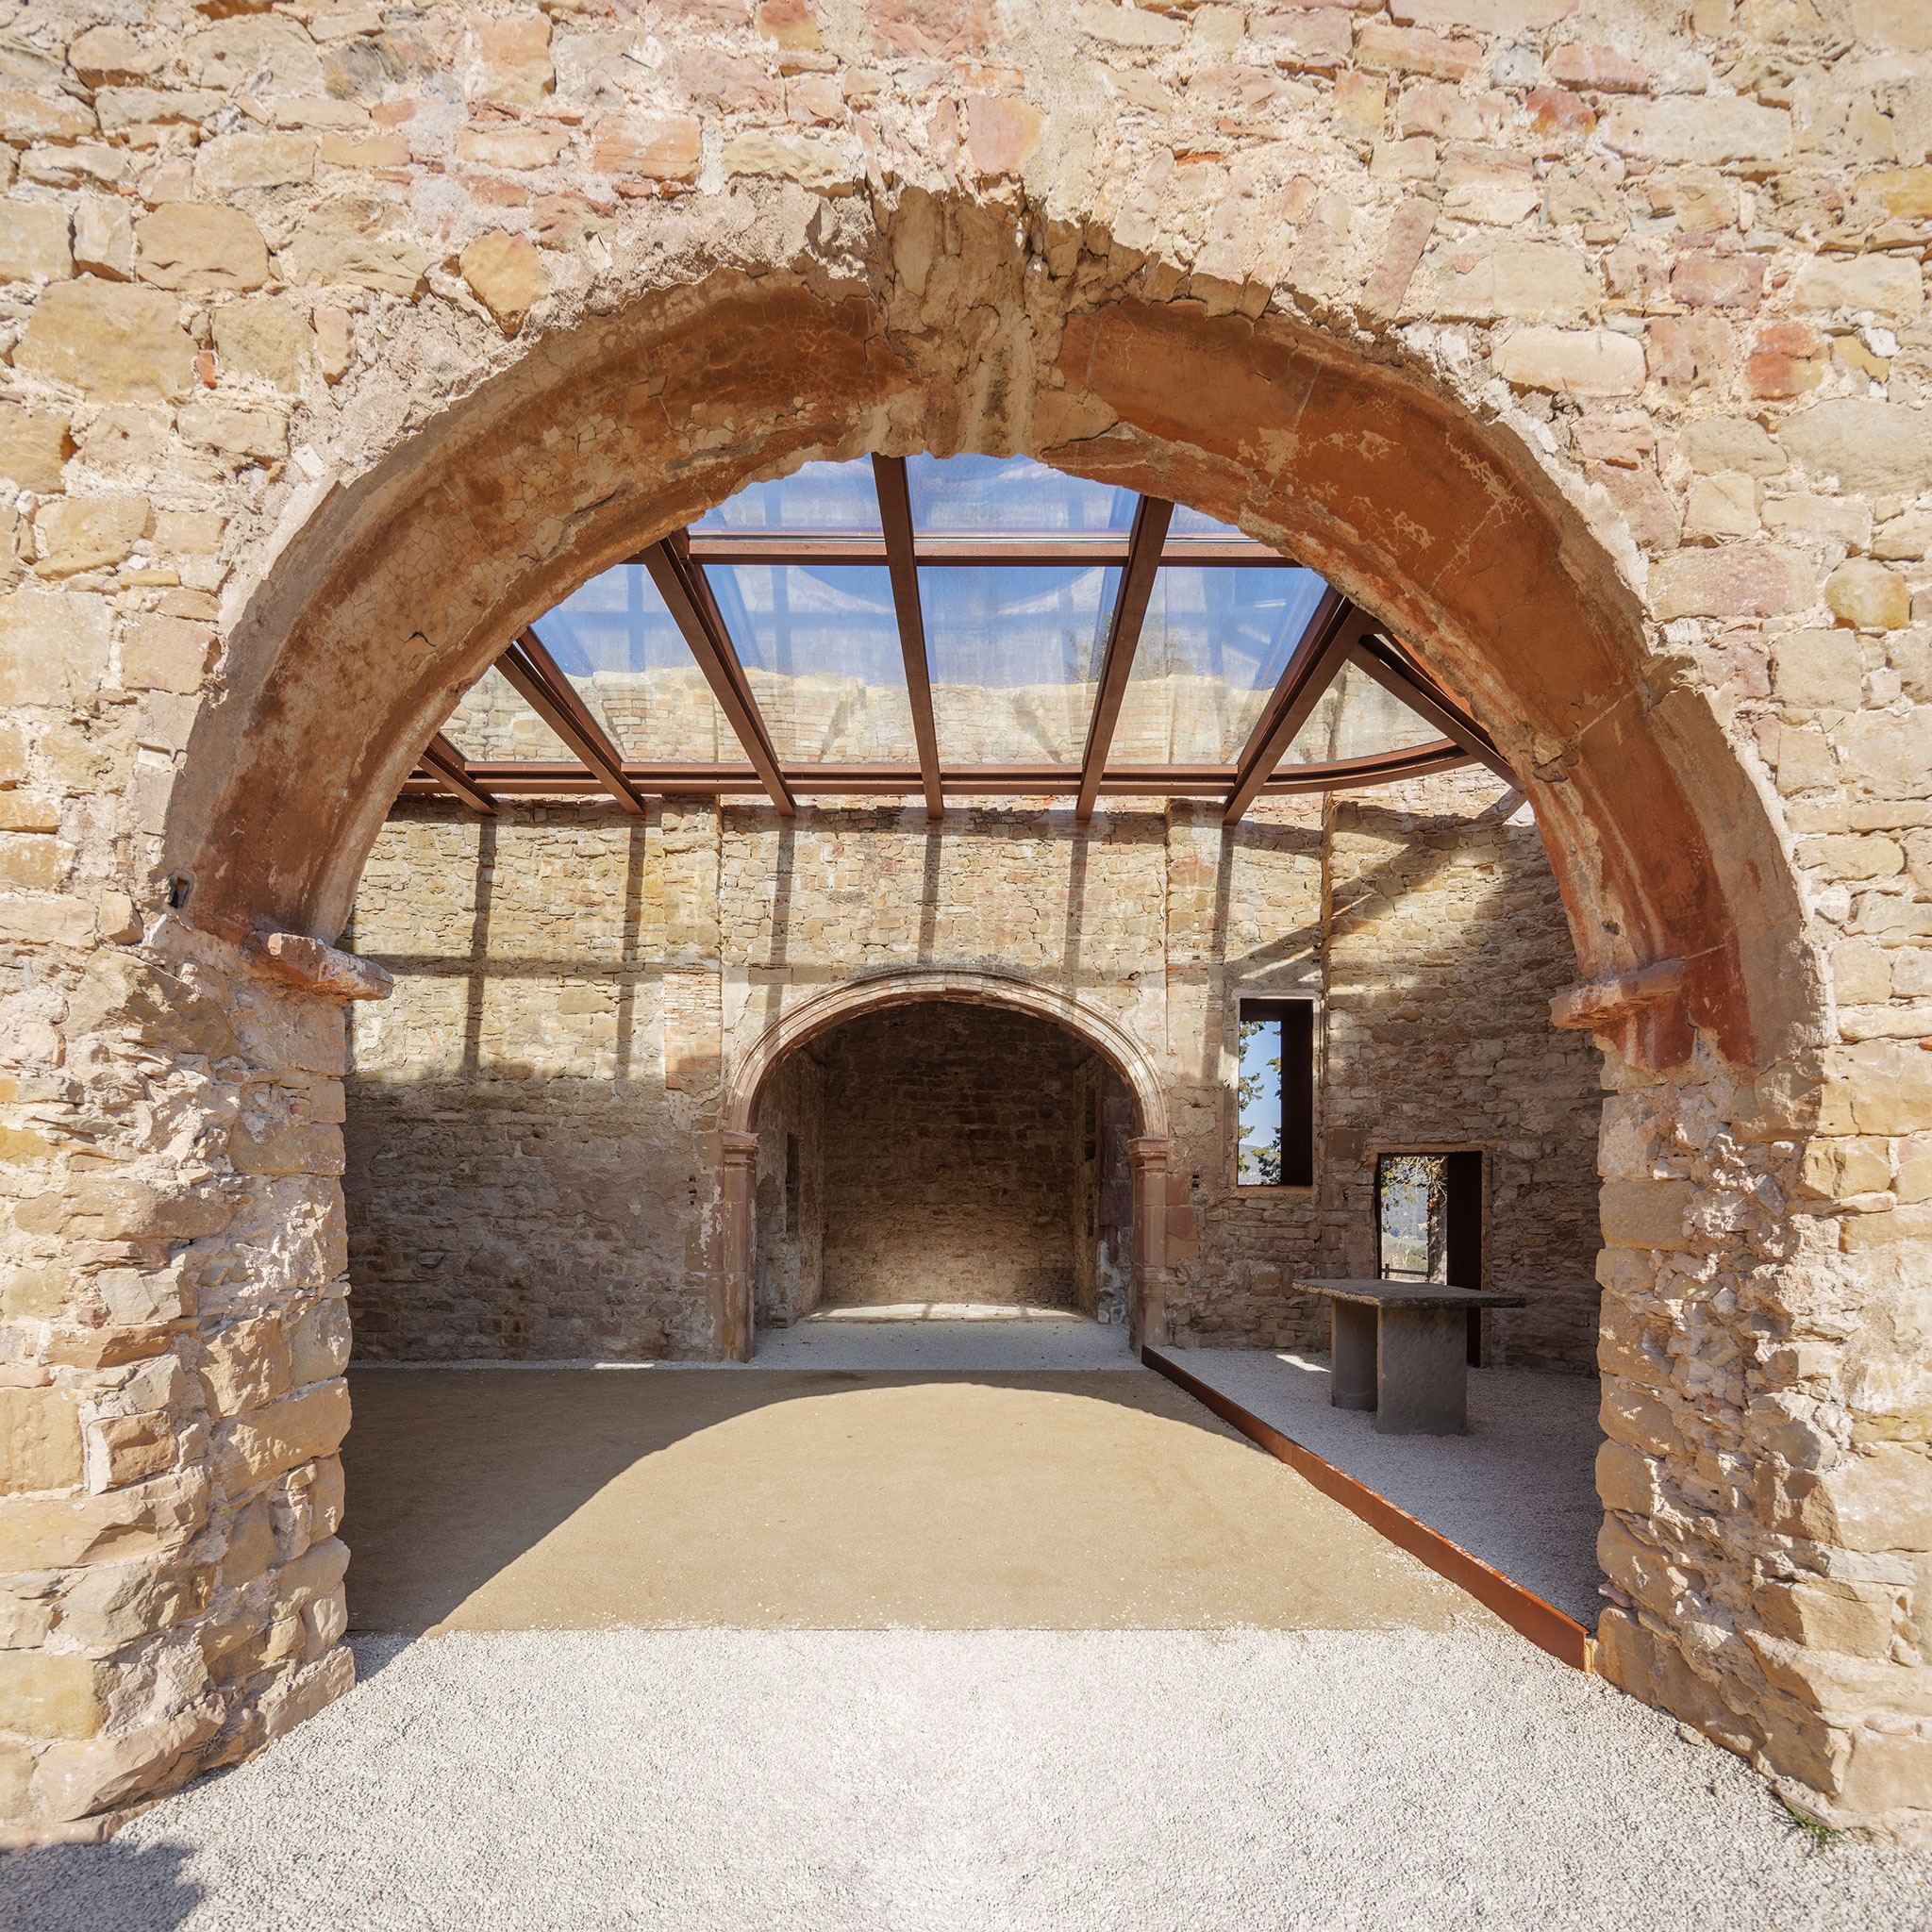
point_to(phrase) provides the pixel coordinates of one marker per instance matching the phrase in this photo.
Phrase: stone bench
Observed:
(1401, 1349)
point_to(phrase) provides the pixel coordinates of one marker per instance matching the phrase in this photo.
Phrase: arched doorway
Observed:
(881, 993)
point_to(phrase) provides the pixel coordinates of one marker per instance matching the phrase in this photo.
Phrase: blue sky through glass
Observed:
(837, 498)
(1011, 496)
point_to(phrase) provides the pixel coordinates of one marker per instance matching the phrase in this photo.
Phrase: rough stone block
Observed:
(200, 248)
(1714, 443)
(507, 274)
(54, 645)
(77, 533)
(507, 59)
(52, 1694)
(1647, 1214)
(1699, 129)
(1738, 580)
(1867, 596)
(40, 1440)
(353, 240)
(166, 654)
(1865, 444)
(114, 343)
(1581, 362)
(282, 1436)
(34, 446)
(33, 242)
(1878, 284)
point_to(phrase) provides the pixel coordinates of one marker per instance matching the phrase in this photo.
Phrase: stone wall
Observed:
(532, 1111)
(951, 1141)
(1446, 943)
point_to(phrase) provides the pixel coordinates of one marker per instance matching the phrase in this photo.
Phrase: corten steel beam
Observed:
(1312, 668)
(896, 517)
(533, 674)
(1145, 546)
(681, 584)
(998, 552)
(1432, 705)
(558, 779)
(448, 768)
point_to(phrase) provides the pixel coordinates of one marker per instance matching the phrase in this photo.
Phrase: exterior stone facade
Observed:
(1583, 343)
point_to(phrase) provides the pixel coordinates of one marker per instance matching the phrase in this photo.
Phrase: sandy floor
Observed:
(570, 1499)
(738, 1781)
(1519, 1491)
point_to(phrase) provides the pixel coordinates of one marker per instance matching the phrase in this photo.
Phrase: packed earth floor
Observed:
(895, 1641)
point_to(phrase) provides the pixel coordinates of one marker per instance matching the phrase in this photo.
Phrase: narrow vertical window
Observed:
(1276, 1095)
(793, 1183)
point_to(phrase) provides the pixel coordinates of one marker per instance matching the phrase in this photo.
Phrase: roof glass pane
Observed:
(1358, 718)
(491, 723)
(820, 645)
(1015, 652)
(626, 659)
(836, 498)
(1011, 496)
(1194, 522)
(1214, 646)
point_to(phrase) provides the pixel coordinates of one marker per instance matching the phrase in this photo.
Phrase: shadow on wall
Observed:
(1446, 941)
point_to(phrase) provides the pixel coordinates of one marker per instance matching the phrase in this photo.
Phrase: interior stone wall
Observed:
(791, 1192)
(1446, 943)
(532, 1115)
(951, 1150)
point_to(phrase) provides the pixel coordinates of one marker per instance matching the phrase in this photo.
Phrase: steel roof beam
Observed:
(533, 674)
(1429, 701)
(680, 582)
(1144, 548)
(895, 518)
(451, 772)
(1318, 655)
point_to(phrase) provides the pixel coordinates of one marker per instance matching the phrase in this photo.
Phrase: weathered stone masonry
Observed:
(1583, 343)
(522, 1181)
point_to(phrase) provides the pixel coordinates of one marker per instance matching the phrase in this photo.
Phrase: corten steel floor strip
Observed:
(1527, 1613)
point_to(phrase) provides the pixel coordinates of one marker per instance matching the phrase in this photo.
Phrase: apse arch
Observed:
(875, 992)
(598, 440)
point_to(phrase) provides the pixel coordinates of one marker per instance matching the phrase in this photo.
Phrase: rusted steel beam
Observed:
(533, 674)
(996, 552)
(1145, 546)
(681, 584)
(1429, 701)
(1318, 655)
(448, 768)
(556, 779)
(895, 518)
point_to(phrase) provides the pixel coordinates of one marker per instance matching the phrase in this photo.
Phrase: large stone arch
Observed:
(875, 992)
(1445, 525)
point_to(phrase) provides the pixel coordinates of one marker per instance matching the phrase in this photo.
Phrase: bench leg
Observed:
(1422, 1373)
(1352, 1355)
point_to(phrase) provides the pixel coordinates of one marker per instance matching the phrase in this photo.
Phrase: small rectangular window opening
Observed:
(1429, 1223)
(1276, 1095)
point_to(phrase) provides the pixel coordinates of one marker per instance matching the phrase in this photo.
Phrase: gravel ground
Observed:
(899, 1781)
(1519, 1491)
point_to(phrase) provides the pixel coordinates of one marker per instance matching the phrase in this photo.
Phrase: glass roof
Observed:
(1011, 496)
(820, 645)
(1214, 644)
(1016, 636)
(626, 659)
(836, 498)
